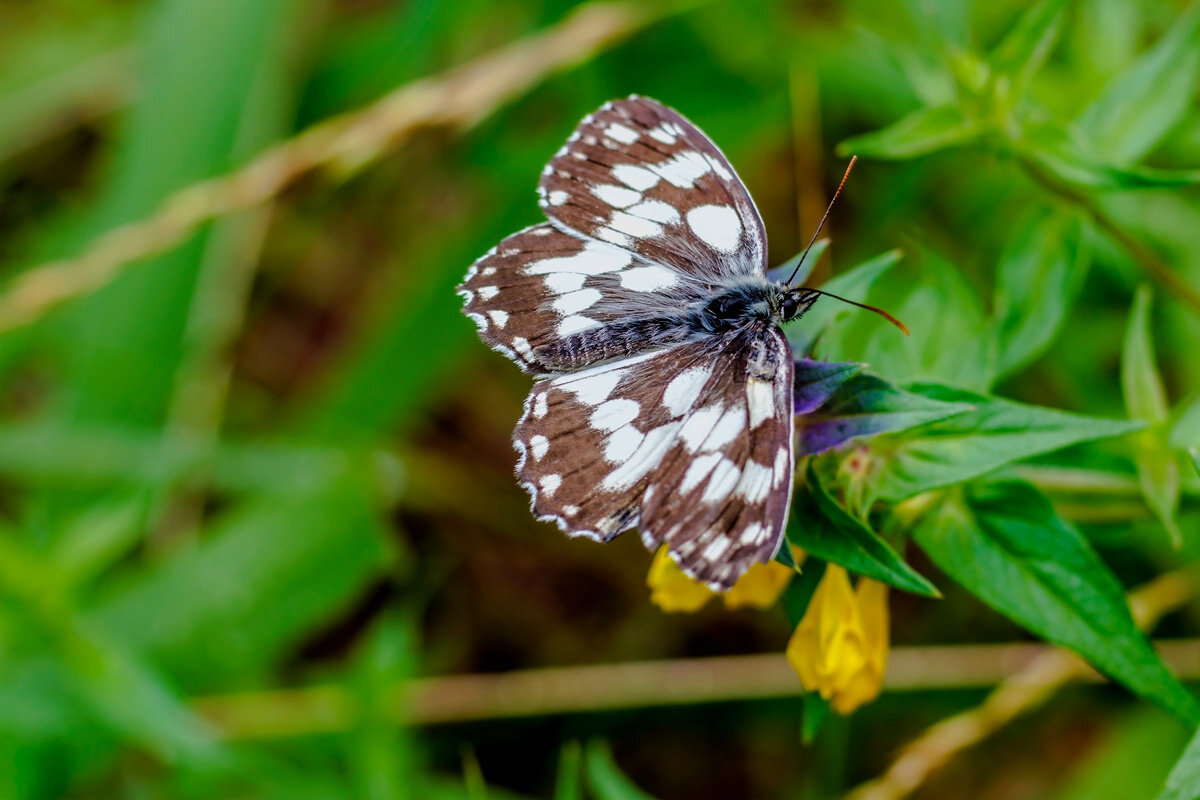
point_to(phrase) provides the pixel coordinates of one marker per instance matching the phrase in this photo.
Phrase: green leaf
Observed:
(1037, 280)
(1136, 752)
(951, 341)
(816, 709)
(864, 406)
(1146, 400)
(263, 575)
(924, 131)
(1077, 162)
(1024, 48)
(1185, 433)
(854, 284)
(1005, 544)
(568, 783)
(1142, 104)
(1184, 781)
(997, 432)
(605, 777)
(820, 526)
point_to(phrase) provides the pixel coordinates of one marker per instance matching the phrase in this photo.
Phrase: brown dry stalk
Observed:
(459, 98)
(1030, 673)
(1019, 694)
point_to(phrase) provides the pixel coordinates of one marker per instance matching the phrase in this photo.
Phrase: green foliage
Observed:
(269, 463)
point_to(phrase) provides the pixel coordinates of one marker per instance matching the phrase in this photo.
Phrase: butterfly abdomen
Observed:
(616, 340)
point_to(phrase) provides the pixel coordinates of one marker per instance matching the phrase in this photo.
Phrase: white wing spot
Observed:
(656, 210)
(574, 324)
(760, 398)
(570, 510)
(697, 471)
(724, 477)
(573, 302)
(488, 272)
(499, 317)
(648, 455)
(558, 197)
(781, 465)
(622, 444)
(564, 282)
(540, 405)
(755, 484)
(662, 134)
(697, 427)
(615, 237)
(521, 345)
(684, 390)
(683, 169)
(756, 533)
(488, 292)
(538, 445)
(550, 483)
(731, 424)
(718, 226)
(621, 133)
(617, 196)
(638, 227)
(480, 321)
(647, 279)
(715, 549)
(613, 414)
(596, 258)
(635, 177)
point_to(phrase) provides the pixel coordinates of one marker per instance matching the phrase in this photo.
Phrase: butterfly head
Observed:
(794, 301)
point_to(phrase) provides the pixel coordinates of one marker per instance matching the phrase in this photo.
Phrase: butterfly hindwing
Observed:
(691, 443)
(639, 175)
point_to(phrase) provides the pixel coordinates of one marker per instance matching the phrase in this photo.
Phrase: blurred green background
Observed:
(275, 456)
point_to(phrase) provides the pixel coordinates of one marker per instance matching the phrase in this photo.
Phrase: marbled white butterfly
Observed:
(665, 399)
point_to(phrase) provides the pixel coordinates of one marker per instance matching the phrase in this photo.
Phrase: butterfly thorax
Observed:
(751, 299)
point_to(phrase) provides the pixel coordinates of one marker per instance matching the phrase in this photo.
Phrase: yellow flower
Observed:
(840, 647)
(672, 590)
(760, 587)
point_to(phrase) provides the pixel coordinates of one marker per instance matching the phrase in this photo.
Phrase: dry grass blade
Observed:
(1030, 674)
(459, 98)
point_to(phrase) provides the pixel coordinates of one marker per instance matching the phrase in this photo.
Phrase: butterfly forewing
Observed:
(639, 175)
(693, 444)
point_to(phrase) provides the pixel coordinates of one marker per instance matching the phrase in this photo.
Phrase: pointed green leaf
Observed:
(1185, 433)
(605, 777)
(1077, 162)
(1024, 48)
(1039, 275)
(1142, 104)
(1146, 400)
(1005, 544)
(568, 782)
(1184, 781)
(264, 574)
(820, 526)
(924, 131)
(997, 432)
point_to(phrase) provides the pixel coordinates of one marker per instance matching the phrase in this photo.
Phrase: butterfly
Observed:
(642, 304)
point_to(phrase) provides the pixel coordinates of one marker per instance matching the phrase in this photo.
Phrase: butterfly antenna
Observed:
(875, 309)
(824, 217)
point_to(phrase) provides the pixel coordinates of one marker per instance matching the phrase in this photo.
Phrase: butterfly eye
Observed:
(790, 303)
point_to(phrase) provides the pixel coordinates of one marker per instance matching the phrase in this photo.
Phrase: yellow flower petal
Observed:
(760, 587)
(839, 649)
(671, 589)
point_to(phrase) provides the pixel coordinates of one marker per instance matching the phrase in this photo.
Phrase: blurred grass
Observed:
(274, 456)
